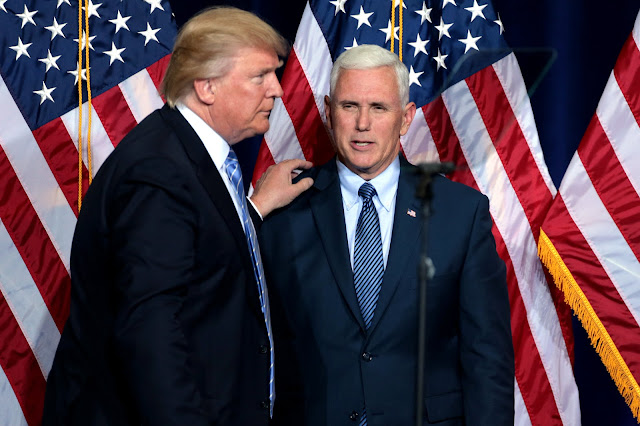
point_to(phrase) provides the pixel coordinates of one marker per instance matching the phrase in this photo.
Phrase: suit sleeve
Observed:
(256, 216)
(486, 346)
(153, 244)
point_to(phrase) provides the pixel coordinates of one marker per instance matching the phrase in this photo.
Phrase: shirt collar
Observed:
(386, 184)
(215, 145)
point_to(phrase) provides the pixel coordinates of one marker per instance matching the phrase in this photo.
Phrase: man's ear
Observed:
(204, 90)
(327, 111)
(407, 117)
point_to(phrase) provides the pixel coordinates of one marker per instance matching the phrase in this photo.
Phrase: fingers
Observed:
(297, 163)
(275, 189)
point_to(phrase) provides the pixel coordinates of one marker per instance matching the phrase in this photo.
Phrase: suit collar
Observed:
(385, 183)
(211, 180)
(215, 144)
(207, 173)
(326, 207)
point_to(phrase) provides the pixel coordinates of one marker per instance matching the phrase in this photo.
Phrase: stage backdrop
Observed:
(566, 52)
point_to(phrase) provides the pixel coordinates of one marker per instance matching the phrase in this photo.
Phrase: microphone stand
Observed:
(426, 270)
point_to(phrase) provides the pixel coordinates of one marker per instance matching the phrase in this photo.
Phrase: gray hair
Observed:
(367, 56)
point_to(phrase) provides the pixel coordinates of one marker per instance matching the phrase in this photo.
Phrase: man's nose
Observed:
(363, 121)
(275, 90)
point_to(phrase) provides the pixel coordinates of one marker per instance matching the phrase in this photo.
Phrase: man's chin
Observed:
(262, 128)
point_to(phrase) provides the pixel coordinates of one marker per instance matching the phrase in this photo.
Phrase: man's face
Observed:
(367, 119)
(245, 95)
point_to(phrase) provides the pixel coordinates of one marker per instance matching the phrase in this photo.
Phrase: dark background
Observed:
(566, 51)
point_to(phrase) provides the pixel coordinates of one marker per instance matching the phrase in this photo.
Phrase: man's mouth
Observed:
(361, 143)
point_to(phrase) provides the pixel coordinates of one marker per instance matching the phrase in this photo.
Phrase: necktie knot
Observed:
(231, 162)
(232, 155)
(367, 191)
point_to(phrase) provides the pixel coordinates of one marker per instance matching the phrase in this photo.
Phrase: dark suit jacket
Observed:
(328, 365)
(165, 325)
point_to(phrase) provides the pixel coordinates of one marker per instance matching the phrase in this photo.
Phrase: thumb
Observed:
(302, 185)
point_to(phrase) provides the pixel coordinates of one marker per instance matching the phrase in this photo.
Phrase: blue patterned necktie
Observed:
(368, 263)
(232, 167)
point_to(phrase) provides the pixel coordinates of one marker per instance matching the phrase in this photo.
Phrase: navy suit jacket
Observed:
(329, 366)
(165, 325)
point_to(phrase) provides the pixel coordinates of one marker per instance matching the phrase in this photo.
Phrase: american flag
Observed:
(590, 238)
(39, 126)
(475, 112)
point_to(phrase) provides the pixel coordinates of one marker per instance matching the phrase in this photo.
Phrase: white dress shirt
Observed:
(386, 185)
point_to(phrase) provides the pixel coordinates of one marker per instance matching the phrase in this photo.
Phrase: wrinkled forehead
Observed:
(374, 76)
(377, 84)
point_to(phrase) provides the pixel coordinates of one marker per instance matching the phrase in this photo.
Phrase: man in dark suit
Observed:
(342, 264)
(169, 321)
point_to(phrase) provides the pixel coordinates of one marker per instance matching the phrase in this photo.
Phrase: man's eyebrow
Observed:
(263, 71)
(273, 68)
(346, 101)
(268, 69)
(371, 104)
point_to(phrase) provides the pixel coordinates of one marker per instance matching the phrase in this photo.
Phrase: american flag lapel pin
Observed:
(411, 213)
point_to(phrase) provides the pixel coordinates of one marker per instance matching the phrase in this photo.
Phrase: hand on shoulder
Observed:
(276, 189)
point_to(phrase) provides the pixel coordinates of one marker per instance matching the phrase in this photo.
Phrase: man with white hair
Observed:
(342, 264)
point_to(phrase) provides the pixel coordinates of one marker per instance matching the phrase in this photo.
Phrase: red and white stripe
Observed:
(38, 210)
(593, 223)
(485, 125)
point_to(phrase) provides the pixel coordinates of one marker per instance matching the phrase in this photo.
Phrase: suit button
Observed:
(354, 416)
(264, 349)
(265, 404)
(367, 356)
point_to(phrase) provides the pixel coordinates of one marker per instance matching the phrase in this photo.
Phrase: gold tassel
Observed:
(600, 338)
(83, 38)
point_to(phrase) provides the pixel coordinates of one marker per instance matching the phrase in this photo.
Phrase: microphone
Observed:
(433, 168)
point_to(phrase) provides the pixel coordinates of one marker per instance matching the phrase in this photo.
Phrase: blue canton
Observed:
(444, 41)
(39, 50)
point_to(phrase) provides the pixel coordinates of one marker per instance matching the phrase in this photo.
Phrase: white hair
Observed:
(367, 56)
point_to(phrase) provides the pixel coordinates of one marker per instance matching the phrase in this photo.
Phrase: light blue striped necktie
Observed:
(232, 167)
(368, 263)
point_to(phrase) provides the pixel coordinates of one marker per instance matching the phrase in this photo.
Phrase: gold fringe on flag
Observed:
(600, 338)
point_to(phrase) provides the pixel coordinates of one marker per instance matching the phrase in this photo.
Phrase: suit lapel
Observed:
(405, 239)
(328, 214)
(214, 186)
